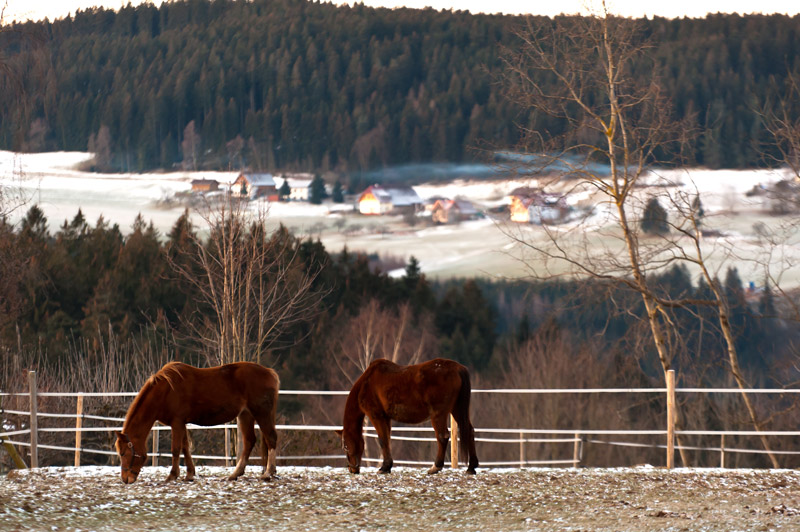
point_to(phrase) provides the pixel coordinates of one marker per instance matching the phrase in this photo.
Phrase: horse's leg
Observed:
(383, 426)
(178, 434)
(439, 423)
(187, 457)
(269, 445)
(248, 432)
(473, 454)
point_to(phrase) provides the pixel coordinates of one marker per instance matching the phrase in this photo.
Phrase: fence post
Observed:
(670, 419)
(155, 445)
(78, 427)
(722, 452)
(576, 450)
(521, 450)
(34, 425)
(453, 443)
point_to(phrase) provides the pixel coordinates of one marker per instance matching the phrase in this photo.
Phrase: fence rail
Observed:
(522, 436)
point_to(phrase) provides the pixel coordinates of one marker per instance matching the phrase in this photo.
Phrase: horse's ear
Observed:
(121, 436)
(339, 432)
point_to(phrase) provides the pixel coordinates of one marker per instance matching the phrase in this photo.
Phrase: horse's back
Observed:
(252, 371)
(436, 365)
(208, 396)
(411, 393)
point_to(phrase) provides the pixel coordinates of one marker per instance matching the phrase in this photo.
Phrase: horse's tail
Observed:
(466, 433)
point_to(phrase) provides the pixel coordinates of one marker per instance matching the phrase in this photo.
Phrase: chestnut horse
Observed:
(179, 394)
(408, 394)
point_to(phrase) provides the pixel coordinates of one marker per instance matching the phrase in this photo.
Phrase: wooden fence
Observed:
(518, 436)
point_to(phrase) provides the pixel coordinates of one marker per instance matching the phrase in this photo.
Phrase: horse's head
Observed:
(132, 457)
(353, 446)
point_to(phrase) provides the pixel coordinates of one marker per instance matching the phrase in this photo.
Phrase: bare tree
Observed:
(551, 359)
(376, 332)
(100, 146)
(37, 135)
(251, 285)
(579, 70)
(190, 146)
(235, 147)
(781, 119)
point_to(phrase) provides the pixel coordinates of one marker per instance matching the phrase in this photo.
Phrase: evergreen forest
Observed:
(292, 84)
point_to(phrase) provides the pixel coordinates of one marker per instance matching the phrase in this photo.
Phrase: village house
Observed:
(452, 211)
(205, 185)
(379, 199)
(255, 186)
(533, 205)
(299, 186)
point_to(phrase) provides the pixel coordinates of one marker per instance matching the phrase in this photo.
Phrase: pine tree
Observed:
(338, 192)
(697, 210)
(654, 218)
(317, 193)
(413, 274)
(766, 303)
(285, 191)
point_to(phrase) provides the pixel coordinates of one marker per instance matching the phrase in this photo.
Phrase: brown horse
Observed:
(409, 394)
(179, 394)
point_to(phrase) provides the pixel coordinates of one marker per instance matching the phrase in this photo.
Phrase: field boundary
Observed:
(512, 436)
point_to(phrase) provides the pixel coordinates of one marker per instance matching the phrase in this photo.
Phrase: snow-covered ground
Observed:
(480, 247)
(642, 499)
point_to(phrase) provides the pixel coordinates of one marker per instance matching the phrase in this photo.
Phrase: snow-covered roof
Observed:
(465, 206)
(293, 182)
(258, 180)
(459, 204)
(399, 196)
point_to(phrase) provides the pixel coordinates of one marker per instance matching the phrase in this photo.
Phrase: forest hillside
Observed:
(303, 85)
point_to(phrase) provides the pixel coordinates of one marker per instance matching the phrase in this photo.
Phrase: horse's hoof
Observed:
(383, 471)
(433, 470)
(471, 472)
(188, 479)
(266, 478)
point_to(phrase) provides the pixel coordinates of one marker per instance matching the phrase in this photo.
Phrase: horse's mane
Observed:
(169, 374)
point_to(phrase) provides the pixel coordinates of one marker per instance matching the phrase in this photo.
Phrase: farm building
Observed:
(255, 186)
(533, 205)
(379, 199)
(299, 186)
(205, 185)
(452, 211)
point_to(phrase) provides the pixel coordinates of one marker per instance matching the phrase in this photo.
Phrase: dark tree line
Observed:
(296, 84)
(88, 285)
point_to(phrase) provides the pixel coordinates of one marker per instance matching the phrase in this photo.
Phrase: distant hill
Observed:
(315, 87)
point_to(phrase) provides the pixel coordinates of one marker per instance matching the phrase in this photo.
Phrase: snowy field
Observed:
(475, 248)
(643, 499)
